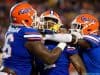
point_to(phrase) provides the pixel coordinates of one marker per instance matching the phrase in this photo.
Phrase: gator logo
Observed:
(23, 11)
(87, 19)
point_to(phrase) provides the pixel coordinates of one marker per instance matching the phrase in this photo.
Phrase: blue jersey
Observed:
(17, 57)
(91, 56)
(61, 66)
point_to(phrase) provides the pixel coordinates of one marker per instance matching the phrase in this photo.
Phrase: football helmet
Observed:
(50, 20)
(23, 14)
(86, 24)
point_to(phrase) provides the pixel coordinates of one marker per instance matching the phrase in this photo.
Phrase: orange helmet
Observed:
(23, 14)
(50, 20)
(86, 24)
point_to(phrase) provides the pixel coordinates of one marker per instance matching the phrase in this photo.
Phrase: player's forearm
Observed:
(68, 38)
(53, 56)
(55, 53)
(78, 64)
(59, 37)
(43, 53)
(81, 70)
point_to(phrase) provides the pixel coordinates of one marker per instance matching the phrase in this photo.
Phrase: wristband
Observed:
(62, 45)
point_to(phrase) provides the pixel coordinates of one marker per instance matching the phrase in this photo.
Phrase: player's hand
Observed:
(77, 33)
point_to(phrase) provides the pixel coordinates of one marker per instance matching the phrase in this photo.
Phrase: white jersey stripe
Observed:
(90, 37)
(33, 36)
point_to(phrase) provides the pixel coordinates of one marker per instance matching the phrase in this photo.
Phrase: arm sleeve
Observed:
(93, 41)
(59, 37)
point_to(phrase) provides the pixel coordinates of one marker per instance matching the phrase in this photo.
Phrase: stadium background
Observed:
(67, 9)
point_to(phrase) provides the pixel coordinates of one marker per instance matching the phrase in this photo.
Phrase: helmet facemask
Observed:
(76, 27)
(49, 24)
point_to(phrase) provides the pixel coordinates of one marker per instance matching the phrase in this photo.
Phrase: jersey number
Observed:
(7, 48)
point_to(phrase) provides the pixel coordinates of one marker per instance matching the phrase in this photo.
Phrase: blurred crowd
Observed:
(67, 9)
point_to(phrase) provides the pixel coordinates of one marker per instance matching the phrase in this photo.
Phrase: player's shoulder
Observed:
(92, 37)
(94, 40)
(29, 29)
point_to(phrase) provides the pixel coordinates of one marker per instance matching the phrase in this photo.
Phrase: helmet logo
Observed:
(23, 11)
(87, 20)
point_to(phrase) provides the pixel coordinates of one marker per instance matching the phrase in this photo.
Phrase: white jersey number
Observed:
(7, 48)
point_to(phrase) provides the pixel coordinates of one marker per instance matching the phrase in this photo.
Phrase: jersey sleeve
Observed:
(32, 34)
(71, 50)
(93, 41)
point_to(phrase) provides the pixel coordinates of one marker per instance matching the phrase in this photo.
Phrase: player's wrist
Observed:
(62, 45)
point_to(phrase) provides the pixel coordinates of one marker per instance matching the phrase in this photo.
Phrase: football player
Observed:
(50, 24)
(86, 27)
(89, 46)
(23, 41)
